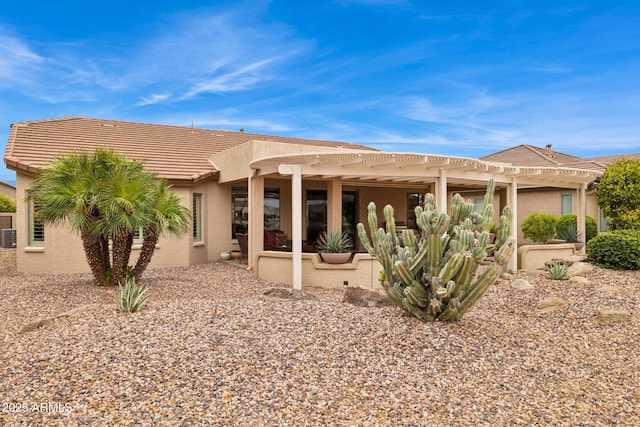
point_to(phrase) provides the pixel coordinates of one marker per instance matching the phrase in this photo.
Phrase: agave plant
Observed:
(558, 271)
(131, 298)
(334, 242)
(438, 276)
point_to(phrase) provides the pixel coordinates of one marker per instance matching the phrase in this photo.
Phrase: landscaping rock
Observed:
(521, 285)
(507, 276)
(32, 326)
(579, 279)
(609, 315)
(288, 294)
(580, 269)
(614, 290)
(551, 304)
(365, 297)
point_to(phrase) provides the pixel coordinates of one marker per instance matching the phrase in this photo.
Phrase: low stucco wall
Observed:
(531, 257)
(362, 271)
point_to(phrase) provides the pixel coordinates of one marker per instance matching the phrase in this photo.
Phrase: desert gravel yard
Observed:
(208, 350)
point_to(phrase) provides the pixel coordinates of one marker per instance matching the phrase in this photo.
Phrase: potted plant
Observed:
(334, 247)
(570, 235)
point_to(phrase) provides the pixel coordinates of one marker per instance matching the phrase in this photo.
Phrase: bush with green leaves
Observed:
(618, 194)
(442, 272)
(130, 297)
(567, 227)
(7, 204)
(618, 250)
(558, 271)
(539, 226)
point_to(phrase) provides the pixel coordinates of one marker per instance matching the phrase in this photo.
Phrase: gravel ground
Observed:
(208, 351)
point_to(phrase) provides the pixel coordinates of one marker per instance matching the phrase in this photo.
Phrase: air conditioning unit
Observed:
(8, 238)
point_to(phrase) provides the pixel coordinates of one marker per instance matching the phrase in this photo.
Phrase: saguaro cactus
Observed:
(442, 273)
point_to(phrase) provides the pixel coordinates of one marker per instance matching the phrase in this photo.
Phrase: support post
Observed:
(441, 191)
(296, 226)
(512, 195)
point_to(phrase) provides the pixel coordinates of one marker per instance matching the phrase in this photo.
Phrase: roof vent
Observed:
(241, 130)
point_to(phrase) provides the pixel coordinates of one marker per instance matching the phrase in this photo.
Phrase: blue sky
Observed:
(457, 77)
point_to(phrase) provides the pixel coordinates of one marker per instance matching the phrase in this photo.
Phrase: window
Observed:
(479, 203)
(316, 213)
(566, 204)
(413, 200)
(272, 209)
(138, 236)
(36, 228)
(197, 217)
(240, 210)
(604, 223)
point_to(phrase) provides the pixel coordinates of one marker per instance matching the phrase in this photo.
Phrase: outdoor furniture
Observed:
(270, 237)
(243, 242)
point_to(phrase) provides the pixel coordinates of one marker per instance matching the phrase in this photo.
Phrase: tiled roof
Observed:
(528, 155)
(173, 152)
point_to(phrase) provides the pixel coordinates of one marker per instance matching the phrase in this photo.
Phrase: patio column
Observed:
(296, 225)
(256, 218)
(512, 195)
(441, 191)
(334, 204)
(581, 201)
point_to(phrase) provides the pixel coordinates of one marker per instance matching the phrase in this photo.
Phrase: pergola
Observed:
(438, 171)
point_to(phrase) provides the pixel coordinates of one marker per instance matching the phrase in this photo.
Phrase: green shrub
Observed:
(7, 204)
(539, 226)
(618, 193)
(131, 298)
(619, 250)
(569, 222)
(558, 271)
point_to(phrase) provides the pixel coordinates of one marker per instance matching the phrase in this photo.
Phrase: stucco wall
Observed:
(362, 271)
(63, 252)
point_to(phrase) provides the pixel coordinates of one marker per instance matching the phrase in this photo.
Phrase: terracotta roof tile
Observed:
(528, 155)
(173, 152)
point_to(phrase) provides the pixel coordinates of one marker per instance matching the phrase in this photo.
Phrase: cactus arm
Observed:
(479, 288)
(364, 239)
(391, 223)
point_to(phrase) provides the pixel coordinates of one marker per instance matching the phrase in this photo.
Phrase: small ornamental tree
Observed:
(7, 204)
(618, 194)
(539, 226)
(106, 198)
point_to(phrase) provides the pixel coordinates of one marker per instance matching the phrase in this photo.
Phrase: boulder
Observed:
(614, 290)
(289, 294)
(610, 315)
(579, 279)
(365, 297)
(580, 269)
(550, 304)
(506, 276)
(521, 285)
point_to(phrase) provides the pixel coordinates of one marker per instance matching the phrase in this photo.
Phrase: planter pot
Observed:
(340, 258)
(579, 245)
(225, 256)
(235, 255)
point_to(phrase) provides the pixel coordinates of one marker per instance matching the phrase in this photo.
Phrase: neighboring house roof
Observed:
(8, 189)
(528, 155)
(173, 152)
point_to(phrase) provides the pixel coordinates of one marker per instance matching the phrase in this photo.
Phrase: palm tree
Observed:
(106, 197)
(168, 216)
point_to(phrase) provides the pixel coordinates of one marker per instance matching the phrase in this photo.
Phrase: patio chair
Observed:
(243, 242)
